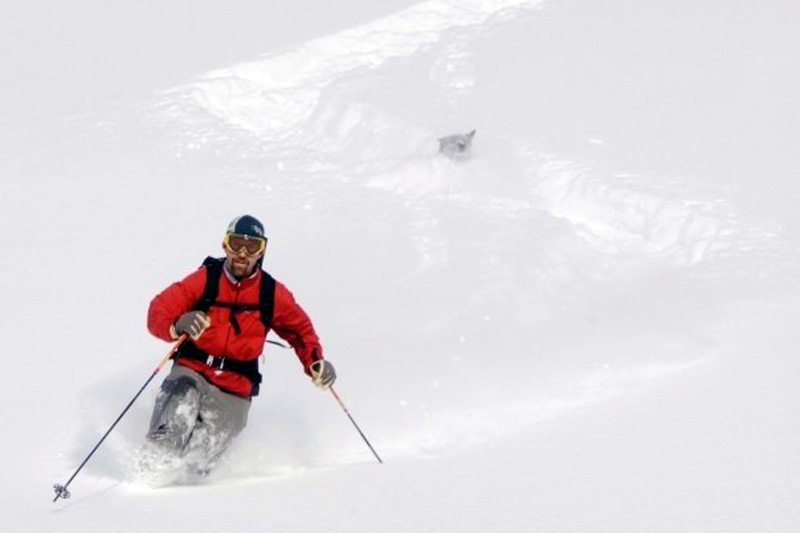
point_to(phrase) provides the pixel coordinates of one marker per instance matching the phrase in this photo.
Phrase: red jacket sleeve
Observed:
(173, 301)
(292, 324)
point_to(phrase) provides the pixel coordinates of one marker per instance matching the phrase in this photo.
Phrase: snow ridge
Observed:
(270, 97)
(624, 213)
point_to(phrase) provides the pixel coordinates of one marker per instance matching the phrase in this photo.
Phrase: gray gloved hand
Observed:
(322, 374)
(193, 323)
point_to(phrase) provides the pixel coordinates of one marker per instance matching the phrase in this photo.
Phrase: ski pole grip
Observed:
(173, 351)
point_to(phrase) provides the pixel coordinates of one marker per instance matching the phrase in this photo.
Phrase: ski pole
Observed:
(356, 425)
(61, 490)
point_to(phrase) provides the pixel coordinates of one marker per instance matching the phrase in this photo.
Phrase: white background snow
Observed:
(588, 325)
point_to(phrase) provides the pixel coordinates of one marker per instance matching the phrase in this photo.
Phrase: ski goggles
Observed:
(252, 246)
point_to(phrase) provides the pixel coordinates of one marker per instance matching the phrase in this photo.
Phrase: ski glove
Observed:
(193, 323)
(322, 374)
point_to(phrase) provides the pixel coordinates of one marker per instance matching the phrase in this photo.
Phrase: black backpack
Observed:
(265, 306)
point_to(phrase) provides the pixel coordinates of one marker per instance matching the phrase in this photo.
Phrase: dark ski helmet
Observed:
(247, 225)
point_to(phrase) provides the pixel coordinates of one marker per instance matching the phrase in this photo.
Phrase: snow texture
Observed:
(588, 324)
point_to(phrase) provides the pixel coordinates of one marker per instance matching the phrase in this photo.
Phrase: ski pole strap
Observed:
(248, 369)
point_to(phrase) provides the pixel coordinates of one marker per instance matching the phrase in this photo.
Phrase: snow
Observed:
(586, 325)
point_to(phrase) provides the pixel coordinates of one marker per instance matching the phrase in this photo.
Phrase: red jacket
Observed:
(289, 321)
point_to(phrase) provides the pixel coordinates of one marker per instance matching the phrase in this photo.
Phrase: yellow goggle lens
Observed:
(252, 245)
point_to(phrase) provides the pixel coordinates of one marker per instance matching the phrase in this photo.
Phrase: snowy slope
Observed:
(585, 326)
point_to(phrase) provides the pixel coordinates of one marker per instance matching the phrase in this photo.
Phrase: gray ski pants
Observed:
(194, 419)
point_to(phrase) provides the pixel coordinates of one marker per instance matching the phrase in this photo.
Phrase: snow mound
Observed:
(270, 97)
(633, 215)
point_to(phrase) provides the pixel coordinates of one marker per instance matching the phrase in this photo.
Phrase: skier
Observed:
(226, 308)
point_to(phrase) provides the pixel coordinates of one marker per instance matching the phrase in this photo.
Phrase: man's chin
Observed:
(238, 269)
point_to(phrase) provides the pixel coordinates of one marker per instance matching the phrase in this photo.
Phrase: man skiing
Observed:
(225, 309)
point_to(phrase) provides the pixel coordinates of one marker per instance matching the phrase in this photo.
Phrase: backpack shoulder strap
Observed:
(213, 267)
(266, 302)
